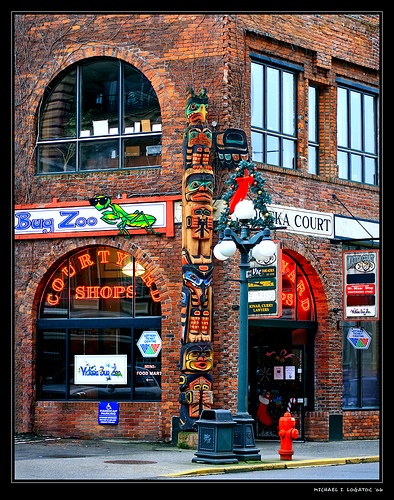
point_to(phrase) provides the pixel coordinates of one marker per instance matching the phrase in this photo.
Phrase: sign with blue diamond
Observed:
(149, 344)
(108, 413)
(359, 338)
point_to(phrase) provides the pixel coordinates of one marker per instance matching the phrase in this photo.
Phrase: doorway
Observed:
(277, 385)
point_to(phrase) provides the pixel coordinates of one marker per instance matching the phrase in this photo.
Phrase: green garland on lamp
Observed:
(248, 175)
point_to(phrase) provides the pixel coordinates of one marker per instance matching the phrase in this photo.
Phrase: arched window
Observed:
(99, 329)
(101, 114)
(297, 298)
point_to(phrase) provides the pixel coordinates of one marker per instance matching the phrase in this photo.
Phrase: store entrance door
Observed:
(277, 385)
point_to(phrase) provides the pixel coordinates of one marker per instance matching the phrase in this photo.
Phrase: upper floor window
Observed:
(273, 115)
(101, 114)
(357, 126)
(313, 130)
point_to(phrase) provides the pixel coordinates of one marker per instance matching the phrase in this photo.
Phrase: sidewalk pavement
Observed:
(57, 459)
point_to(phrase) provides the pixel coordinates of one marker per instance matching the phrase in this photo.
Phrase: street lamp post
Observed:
(262, 247)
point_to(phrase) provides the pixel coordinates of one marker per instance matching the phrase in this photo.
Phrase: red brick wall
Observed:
(361, 424)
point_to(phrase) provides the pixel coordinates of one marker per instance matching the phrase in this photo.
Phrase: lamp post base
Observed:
(244, 445)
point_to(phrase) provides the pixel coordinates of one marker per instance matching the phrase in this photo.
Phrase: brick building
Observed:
(99, 110)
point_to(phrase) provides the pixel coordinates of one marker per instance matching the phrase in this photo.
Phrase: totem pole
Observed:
(196, 358)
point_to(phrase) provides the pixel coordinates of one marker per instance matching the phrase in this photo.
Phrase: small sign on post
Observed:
(265, 286)
(359, 338)
(108, 413)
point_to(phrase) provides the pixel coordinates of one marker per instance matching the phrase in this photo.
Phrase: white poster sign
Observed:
(100, 369)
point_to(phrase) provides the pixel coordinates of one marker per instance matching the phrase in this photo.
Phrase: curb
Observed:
(275, 465)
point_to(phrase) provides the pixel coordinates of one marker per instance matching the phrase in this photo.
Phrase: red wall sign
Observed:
(361, 284)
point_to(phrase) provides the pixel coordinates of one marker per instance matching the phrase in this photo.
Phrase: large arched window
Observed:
(99, 329)
(101, 114)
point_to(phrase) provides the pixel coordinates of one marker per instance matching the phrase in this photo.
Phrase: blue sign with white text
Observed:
(108, 413)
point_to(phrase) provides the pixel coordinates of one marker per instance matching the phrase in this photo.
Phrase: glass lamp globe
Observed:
(244, 210)
(264, 249)
(217, 253)
(227, 248)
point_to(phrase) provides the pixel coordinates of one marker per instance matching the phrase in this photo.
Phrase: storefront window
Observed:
(361, 368)
(100, 308)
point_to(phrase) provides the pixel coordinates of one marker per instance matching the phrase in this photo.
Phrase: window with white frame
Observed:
(100, 114)
(273, 114)
(357, 132)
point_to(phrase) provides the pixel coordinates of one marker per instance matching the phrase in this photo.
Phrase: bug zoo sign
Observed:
(51, 222)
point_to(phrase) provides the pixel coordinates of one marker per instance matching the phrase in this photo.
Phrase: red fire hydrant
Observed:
(287, 432)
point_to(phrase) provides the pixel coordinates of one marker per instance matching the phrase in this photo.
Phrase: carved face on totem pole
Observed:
(196, 357)
(196, 395)
(196, 107)
(197, 147)
(196, 318)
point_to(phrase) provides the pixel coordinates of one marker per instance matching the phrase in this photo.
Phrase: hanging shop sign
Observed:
(359, 338)
(100, 215)
(149, 344)
(100, 369)
(361, 284)
(265, 286)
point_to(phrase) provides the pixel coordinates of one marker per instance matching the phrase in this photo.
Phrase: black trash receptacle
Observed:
(215, 438)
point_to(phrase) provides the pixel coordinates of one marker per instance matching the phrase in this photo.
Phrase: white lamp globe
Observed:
(244, 210)
(264, 249)
(256, 254)
(217, 253)
(227, 248)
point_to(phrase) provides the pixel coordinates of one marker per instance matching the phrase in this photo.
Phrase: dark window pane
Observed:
(59, 113)
(99, 155)
(140, 99)
(142, 151)
(54, 300)
(100, 95)
(58, 157)
(51, 373)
